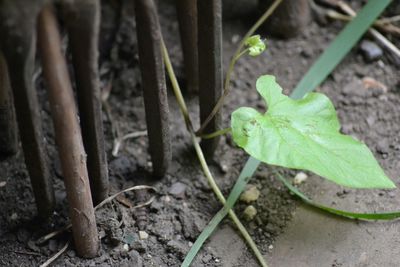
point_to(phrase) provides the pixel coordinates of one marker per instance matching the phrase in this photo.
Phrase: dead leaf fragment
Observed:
(371, 83)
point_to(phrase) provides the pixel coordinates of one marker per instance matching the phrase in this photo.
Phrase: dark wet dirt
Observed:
(288, 234)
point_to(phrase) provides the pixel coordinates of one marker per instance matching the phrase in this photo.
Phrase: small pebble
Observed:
(143, 235)
(167, 199)
(300, 178)
(126, 247)
(178, 190)
(270, 247)
(250, 195)
(249, 213)
(370, 50)
(14, 216)
(224, 168)
(3, 183)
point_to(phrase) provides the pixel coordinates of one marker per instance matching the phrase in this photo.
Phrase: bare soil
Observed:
(288, 233)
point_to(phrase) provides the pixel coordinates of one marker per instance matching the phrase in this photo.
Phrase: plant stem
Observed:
(200, 155)
(238, 53)
(215, 134)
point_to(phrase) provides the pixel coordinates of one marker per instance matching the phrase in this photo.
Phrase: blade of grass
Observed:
(343, 213)
(312, 79)
(248, 170)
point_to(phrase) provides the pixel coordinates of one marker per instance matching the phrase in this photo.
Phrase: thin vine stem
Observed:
(200, 155)
(238, 53)
(216, 133)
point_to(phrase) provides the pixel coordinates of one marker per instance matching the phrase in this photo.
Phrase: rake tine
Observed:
(18, 46)
(210, 67)
(68, 136)
(8, 127)
(187, 18)
(153, 84)
(83, 19)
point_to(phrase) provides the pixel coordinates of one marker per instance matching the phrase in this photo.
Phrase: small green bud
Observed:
(255, 45)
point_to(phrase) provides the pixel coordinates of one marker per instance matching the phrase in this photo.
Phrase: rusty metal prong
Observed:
(187, 18)
(210, 67)
(68, 135)
(18, 45)
(153, 84)
(83, 21)
(8, 127)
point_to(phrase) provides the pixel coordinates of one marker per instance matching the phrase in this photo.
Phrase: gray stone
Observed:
(370, 50)
(178, 190)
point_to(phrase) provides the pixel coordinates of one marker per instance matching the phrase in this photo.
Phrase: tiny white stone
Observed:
(300, 178)
(250, 212)
(14, 216)
(126, 247)
(143, 235)
(167, 199)
(250, 195)
(217, 260)
(3, 183)
(270, 247)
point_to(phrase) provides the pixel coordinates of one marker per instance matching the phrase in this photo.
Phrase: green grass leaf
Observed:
(304, 134)
(343, 213)
(245, 175)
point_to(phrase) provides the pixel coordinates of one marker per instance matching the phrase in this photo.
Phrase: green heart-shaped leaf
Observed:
(304, 134)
